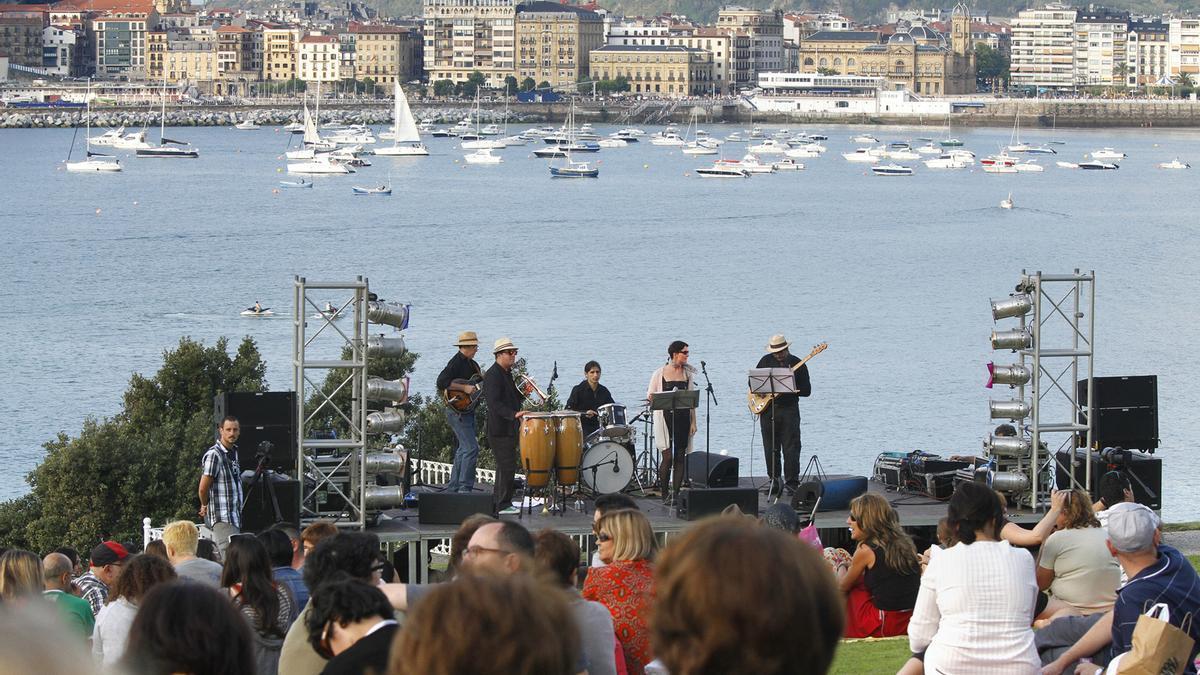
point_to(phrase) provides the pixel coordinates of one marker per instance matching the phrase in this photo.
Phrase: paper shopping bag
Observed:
(1159, 648)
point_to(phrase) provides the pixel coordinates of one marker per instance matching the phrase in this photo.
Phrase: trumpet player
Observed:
(503, 421)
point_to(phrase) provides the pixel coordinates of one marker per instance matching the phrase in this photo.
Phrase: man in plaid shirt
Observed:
(105, 563)
(221, 484)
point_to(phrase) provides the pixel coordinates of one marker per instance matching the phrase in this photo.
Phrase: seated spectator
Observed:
(1114, 488)
(1019, 536)
(56, 574)
(1157, 573)
(182, 539)
(73, 555)
(105, 567)
(558, 555)
(267, 605)
(625, 585)
(975, 606)
(20, 577)
(188, 628)
(503, 624)
(351, 623)
(884, 575)
(315, 534)
(31, 641)
(604, 504)
(209, 550)
(1075, 564)
(279, 550)
(157, 548)
(462, 538)
(775, 609)
(139, 574)
(296, 543)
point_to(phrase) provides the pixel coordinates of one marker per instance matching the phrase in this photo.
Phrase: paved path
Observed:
(1188, 542)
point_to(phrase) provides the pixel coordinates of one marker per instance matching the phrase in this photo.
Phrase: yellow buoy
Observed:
(278, 170)
(645, 166)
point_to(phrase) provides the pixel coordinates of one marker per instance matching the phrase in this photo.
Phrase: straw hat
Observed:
(503, 345)
(467, 338)
(778, 343)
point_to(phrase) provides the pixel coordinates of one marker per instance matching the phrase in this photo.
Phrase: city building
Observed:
(923, 61)
(836, 52)
(280, 47)
(663, 71)
(62, 51)
(238, 66)
(184, 56)
(1101, 36)
(720, 45)
(386, 53)
(21, 33)
(764, 28)
(1043, 48)
(121, 44)
(464, 36)
(319, 59)
(1148, 52)
(638, 33)
(554, 41)
(1183, 36)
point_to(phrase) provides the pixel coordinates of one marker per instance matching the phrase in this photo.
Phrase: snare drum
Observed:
(611, 414)
(569, 448)
(538, 443)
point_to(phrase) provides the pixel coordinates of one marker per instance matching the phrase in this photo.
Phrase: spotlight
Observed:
(1008, 481)
(1013, 305)
(1009, 446)
(1026, 284)
(379, 389)
(390, 313)
(385, 346)
(1009, 410)
(391, 461)
(380, 497)
(1013, 375)
(386, 422)
(1020, 338)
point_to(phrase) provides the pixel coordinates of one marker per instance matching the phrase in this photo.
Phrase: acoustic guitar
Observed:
(461, 400)
(759, 402)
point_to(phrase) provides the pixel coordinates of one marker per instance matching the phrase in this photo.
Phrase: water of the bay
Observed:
(104, 272)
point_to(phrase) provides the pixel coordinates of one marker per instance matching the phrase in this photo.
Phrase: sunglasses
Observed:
(604, 536)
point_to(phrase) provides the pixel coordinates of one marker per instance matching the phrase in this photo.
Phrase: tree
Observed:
(990, 64)
(474, 81)
(510, 84)
(544, 85)
(827, 71)
(528, 84)
(443, 88)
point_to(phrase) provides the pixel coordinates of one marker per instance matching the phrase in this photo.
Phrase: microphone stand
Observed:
(711, 397)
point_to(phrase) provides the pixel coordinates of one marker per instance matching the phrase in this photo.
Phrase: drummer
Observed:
(588, 396)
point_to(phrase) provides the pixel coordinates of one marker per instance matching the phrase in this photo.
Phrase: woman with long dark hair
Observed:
(884, 574)
(268, 606)
(187, 627)
(139, 574)
(673, 430)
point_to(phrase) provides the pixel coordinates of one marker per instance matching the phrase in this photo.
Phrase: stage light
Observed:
(385, 346)
(389, 313)
(1013, 305)
(1008, 446)
(1013, 375)
(1009, 410)
(386, 461)
(1026, 284)
(381, 497)
(386, 422)
(1008, 481)
(379, 389)
(1020, 338)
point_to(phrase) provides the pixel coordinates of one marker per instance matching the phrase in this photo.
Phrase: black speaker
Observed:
(720, 470)
(1144, 471)
(1126, 427)
(695, 503)
(1126, 391)
(451, 508)
(257, 408)
(283, 450)
(258, 513)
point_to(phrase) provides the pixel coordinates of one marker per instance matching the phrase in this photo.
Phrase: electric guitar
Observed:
(461, 400)
(759, 402)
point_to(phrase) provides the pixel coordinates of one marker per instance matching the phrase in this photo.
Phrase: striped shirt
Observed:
(225, 495)
(94, 591)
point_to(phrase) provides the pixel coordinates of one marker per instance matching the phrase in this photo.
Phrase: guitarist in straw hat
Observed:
(784, 413)
(462, 375)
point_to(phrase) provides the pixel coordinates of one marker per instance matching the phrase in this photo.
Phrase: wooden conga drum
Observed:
(537, 444)
(569, 450)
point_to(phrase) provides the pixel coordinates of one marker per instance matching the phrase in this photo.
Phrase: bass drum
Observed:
(607, 467)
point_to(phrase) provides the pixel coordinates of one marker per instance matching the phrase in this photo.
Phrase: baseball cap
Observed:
(1131, 527)
(108, 553)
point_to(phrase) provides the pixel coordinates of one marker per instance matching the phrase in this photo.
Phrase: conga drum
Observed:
(569, 451)
(537, 445)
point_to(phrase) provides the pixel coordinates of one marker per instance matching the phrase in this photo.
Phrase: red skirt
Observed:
(864, 619)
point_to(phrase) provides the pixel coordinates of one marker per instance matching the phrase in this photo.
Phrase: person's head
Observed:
(355, 553)
(138, 575)
(503, 547)
(591, 370)
(1005, 431)
(781, 516)
(278, 546)
(1077, 511)
(462, 538)
(158, 549)
(777, 346)
(32, 641)
(296, 542)
(56, 572)
(181, 537)
(677, 353)
(208, 549)
(700, 627)
(557, 555)
(247, 571)
(625, 534)
(210, 637)
(486, 640)
(945, 534)
(875, 523)
(1115, 488)
(974, 508)
(316, 533)
(613, 502)
(229, 430)
(73, 555)
(505, 352)
(20, 575)
(468, 343)
(337, 604)
(106, 560)
(1133, 530)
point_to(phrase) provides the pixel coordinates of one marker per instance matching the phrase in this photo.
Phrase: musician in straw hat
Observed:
(503, 421)
(454, 378)
(780, 420)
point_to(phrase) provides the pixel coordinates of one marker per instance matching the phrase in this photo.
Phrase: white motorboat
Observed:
(807, 144)
(490, 130)
(291, 184)
(1029, 167)
(947, 161)
(483, 144)
(406, 137)
(756, 132)
(929, 149)
(132, 141)
(698, 148)
(735, 137)
(105, 163)
(902, 153)
(354, 137)
(802, 152)
(725, 168)
(108, 138)
(1002, 159)
(246, 125)
(667, 138)
(863, 138)
(334, 126)
(483, 156)
(1000, 168)
(321, 164)
(1107, 153)
(612, 143)
(1096, 165)
(769, 146)
(752, 164)
(551, 151)
(892, 170)
(1007, 202)
(631, 131)
(443, 133)
(347, 158)
(1066, 165)
(293, 128)
(865, 155)
(513, 141)
(1174, 164)
(787, 164)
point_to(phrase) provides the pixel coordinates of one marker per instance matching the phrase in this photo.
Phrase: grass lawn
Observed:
(869, 657)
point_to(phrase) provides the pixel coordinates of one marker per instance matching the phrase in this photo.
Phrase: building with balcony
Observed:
(1183, 37)
(1043, 48)
(764, 29)
(1148, 52)
(239, 62)
(554, 41)
(62, 50)
(385, 53)
(836, 52)
(280, 47)
(663, 71)
(21, 36)
(717, 42)
(319, 59)
(464, 36)
(1101, 38)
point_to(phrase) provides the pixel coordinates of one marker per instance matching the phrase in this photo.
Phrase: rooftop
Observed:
(318, 39)
(646, 48)
(544, 6)
(843, 36)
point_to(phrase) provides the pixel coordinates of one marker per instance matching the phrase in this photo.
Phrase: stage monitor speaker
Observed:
(1126, 427)
(696, 503)
(258, 513)
(257, 408)
(451, 508)
(840, 490)
(1128, 391)
(719, 471)
(1144, 471)
(283, 448)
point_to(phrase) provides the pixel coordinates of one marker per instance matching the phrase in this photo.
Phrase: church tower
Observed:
(960, 31)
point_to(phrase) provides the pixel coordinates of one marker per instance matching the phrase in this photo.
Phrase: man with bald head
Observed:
(56, 571)
(504, 547)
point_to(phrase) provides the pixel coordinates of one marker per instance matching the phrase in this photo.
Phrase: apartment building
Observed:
(1183, 35)
(554, 41)
(280, 47)
(1101, 38)
(667, 71)
(385, 53)
(21, 34)
(463, 36)
(62, 50)
(239, 61)
(185, 56)
(1148, 52)
(319, 57)
(629, 33)
(121, 45)
(1043, 48)
(764, 28)
(720, 45)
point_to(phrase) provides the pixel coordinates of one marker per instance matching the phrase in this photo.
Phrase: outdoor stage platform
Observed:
(918, 514)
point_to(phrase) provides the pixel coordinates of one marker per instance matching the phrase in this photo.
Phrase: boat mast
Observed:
(162, 125)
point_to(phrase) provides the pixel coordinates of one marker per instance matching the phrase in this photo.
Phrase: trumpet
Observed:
(530, 389)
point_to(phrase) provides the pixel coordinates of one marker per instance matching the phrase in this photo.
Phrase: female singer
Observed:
(673, 430)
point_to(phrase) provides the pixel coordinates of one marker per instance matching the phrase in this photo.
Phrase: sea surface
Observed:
(102, 273)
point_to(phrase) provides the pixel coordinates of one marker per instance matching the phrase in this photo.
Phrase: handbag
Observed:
(1158, 648)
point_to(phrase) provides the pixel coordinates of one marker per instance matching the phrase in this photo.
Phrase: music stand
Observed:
(674, 401)
(771, 381)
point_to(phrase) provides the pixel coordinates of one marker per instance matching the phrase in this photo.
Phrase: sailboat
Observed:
(406, 138)
(950, 141)
(1015, 144)
(476, 141)
(166, 147)
(89, 165)
(698, 145)
(573, 169)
